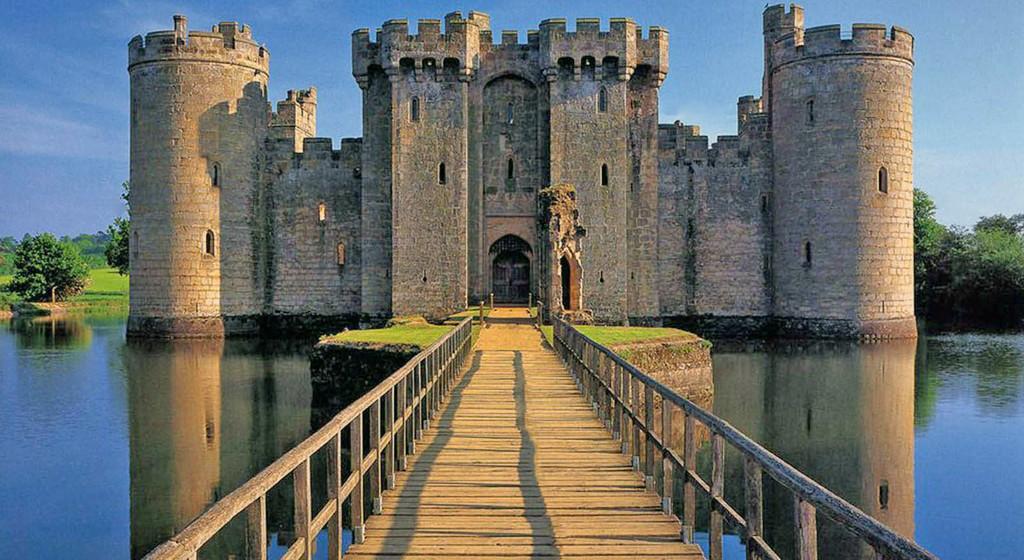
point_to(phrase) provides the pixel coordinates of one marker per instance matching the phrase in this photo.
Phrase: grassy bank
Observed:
(416, 333)
(105, 293)
(610, 336)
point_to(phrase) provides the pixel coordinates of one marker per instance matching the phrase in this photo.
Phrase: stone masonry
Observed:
(800, 224)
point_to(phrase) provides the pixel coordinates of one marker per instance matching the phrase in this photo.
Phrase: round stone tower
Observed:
(199, 118)
(843, 164)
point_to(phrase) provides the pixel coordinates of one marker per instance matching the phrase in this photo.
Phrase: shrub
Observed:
(44, 265)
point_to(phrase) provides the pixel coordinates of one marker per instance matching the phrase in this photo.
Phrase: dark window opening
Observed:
(357, 173)
(442, 177)
(424, 276)
(511, 169)
(810, 111)
(807, 253)
(566, 270)
(510, 113)
(414, 109)
(604, 174)
(602, 100)
(883, 494)
(601, 277)
(216, 174)
(135, 245)
(883, 180)
(210, 248)
(764, 204)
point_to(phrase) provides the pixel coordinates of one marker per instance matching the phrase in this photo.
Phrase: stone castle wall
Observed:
(782, 228)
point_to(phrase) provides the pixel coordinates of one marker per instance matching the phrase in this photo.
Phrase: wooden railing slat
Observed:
(356, 466)
(806, 527)
(752, 492)
(256, 530)
(334, 527)
(717, 491)
(303, 504)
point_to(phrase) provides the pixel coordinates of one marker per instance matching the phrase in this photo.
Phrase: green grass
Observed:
(609, 336)
(473, 312)
(105, 292)
(417, 334)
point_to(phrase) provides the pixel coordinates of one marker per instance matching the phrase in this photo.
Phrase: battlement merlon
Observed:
(295, 118)
(453, 52)
(226, 43)
(865, 39)
(777, 21)
(624, 43)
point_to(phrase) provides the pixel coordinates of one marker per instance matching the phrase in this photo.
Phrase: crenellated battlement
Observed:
(226, 43)
(864, 39)
(452, 51)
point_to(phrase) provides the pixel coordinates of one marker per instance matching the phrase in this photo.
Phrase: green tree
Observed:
(117, 247)
(1010, 224)
(119, 233)
(44, 266)
(931, 239)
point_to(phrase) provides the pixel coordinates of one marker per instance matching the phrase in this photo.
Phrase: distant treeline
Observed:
(968, 277)
(91, 246)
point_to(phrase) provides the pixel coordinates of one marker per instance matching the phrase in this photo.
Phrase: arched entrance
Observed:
(510, 270)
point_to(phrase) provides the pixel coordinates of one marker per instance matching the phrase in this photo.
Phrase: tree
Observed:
(45, 267)
(117, 248)
(1013, 225)
(931, 245)
(117, 251)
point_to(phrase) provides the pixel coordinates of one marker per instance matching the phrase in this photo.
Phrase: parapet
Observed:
(776, 20)
(295, 118)
(623, 45)
(227, 43)
(454, 49)
(829, 40)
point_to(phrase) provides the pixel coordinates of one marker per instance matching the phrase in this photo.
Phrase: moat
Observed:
(119, 444)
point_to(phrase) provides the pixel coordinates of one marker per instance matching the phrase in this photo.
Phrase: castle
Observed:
(518, 168)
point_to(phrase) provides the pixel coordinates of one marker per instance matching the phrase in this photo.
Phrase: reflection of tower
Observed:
(841, 413)
(174, 391)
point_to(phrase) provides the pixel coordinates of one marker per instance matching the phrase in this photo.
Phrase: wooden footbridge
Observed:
(512, 449)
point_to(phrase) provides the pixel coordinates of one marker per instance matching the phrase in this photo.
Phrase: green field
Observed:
(610, 336)
(106, 292)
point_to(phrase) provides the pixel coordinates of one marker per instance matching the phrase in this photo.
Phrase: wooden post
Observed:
(717, 491)
(481, 313)
(355, 443)
(667, 480)
(752, 491)
(689, 464)
(256, 529)
(334, 482)
(303, 508)
(391, 414)
(649, 443)
(492, 301)
(375, 470)
(806, 530)
(529, 300)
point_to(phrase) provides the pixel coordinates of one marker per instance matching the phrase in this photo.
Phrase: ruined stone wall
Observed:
(315, 258)
(841, 111)
(198, 122)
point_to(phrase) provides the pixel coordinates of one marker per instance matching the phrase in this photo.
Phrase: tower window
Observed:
(511, 169)
(602, 100)
(442, 177)
(604, 174)
(883, 180)
(135, 245)
(510, 114)
(341, 253)
(357, 173)
(414, 109)
(210, 245)
(321, 212)
(216, 174)
(807, 253)
(883, 494)
(810, 111)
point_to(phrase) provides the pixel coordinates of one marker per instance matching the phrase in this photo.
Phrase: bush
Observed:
(117, 247)
(44, 265)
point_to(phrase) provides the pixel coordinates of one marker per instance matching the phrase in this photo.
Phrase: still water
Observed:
(112, 446)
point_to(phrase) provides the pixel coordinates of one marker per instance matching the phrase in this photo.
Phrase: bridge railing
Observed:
(625, 399)
(408, 398)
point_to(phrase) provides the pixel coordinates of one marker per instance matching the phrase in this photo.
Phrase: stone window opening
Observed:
(510, 113)
(321, 212)
(511, 169)
(810, 111)
(442, 177)
(883, 494)
(602, 100)
(210, 246)
(215, 174)
(764, 203)
(600, 277)
(424, 276)
(135, 245)
(807, 254)
(341, 253)
(357, 173)
(883, 180)
(604, 174)
(414, 109)
(587, 67)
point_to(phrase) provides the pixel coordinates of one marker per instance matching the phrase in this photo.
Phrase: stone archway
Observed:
(510, 269)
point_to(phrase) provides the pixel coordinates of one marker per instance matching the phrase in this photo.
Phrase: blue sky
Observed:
(64, 119)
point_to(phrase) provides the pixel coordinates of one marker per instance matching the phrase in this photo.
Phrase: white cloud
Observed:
(25, 130)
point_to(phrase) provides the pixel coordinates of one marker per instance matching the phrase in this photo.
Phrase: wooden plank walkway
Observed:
(517, 465)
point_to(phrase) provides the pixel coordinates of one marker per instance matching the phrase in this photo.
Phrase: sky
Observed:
(64, 121)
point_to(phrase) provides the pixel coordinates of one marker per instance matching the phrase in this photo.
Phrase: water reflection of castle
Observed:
(205, 415)
(841, 413)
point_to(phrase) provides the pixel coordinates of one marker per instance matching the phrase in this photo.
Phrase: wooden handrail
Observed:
(410, 397)
(612, 384)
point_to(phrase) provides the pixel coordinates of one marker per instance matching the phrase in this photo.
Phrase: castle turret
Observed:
(843, 167)
(198, 121)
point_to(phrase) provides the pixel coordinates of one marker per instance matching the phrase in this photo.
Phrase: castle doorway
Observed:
(510, 270)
